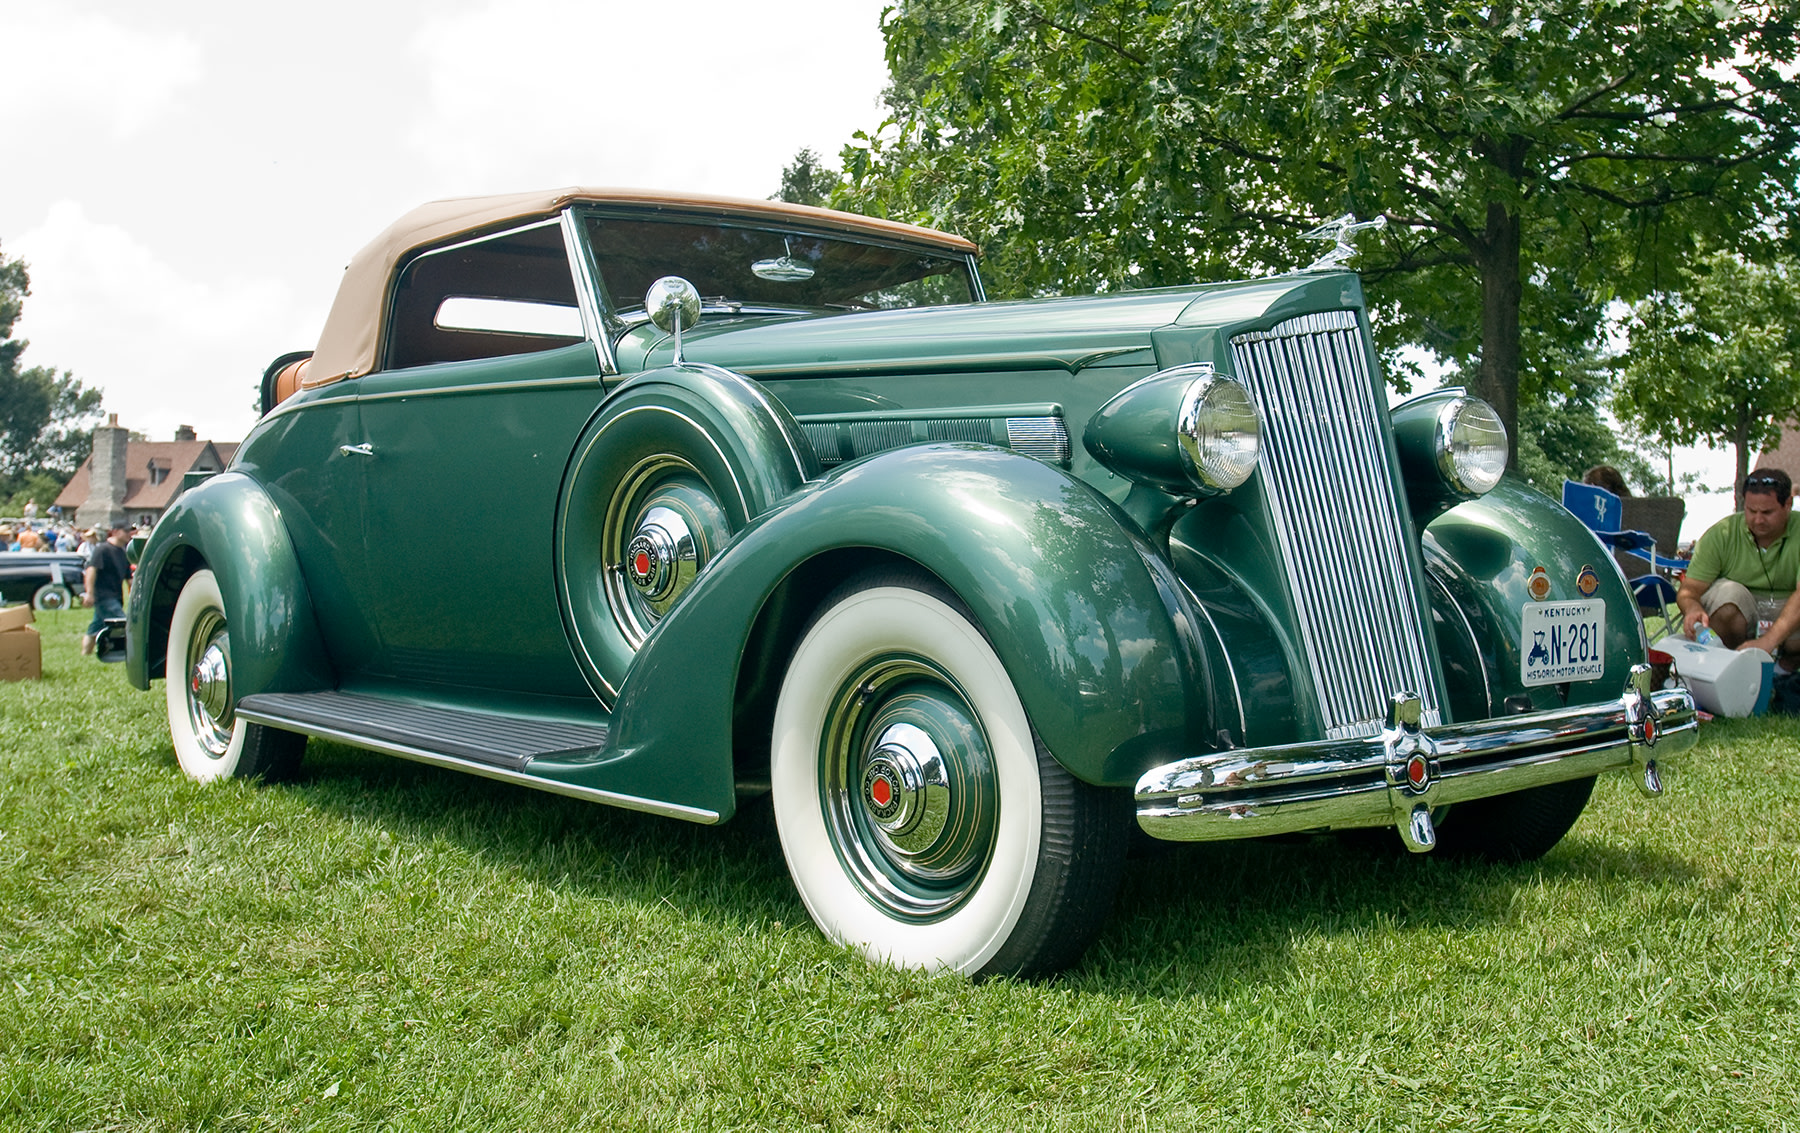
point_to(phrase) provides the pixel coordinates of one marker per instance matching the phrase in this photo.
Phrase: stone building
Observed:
(134, 482)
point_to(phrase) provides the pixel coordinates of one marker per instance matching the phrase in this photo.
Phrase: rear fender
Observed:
(1090, 622)
(228, 525)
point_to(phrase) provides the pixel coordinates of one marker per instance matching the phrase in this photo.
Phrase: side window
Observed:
(505, 294)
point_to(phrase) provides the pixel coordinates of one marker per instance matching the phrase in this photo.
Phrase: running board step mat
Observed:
(403, 727)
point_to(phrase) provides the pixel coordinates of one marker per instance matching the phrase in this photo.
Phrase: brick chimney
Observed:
(185, 433)
(105, 505)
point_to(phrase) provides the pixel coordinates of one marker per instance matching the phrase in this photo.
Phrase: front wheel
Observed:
(921, 819)
(210, 741)
(52, 596)
(1517, 827)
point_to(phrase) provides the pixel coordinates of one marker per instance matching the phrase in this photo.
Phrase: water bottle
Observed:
(1705, 636)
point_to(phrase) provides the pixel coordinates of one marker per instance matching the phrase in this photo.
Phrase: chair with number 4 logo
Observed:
(1603, 513)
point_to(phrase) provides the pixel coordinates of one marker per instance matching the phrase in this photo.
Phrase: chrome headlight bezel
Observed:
(1470, 446)
(1219, 430)
(1188, 431)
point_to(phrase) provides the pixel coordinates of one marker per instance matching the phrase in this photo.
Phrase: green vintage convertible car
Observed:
(670, 502)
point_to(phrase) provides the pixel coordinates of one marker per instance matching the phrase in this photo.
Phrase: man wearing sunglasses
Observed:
(1742, 579)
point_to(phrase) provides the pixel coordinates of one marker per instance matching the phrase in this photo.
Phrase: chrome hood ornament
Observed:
(1338, 232)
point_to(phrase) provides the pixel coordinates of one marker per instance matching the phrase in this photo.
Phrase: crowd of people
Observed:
(28, 533)
(106, 569)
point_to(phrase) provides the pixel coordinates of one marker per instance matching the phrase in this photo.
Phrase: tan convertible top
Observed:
(348, 344)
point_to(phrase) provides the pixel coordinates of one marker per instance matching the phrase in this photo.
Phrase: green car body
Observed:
(411, 555)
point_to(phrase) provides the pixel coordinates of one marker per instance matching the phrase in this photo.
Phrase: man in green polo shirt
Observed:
(1742, 579)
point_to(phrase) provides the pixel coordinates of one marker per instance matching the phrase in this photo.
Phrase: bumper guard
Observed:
(1399, 775)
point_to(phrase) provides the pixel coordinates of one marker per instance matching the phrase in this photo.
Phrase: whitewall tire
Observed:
(921, 819)
(210, 742)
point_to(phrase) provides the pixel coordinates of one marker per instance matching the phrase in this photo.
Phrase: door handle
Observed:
(364, 449)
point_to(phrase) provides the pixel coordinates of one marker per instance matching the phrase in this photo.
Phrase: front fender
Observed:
(228, 525)
(1484, 551)
(1087, 618)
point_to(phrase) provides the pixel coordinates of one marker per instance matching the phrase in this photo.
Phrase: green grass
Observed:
(382, 945)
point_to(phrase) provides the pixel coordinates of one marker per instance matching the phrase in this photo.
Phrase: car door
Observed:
(490, 381)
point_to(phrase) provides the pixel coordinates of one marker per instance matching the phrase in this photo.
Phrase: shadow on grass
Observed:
(731, 873)
(1210, 918)
(1202, 919)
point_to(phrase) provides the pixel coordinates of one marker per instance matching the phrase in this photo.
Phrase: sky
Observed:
(187, 180)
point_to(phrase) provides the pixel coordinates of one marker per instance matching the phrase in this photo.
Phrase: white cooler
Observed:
(1725, 682)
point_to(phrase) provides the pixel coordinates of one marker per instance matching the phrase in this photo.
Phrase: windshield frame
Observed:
(619, 320)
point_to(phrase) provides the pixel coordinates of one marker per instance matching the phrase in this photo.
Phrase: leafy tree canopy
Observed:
(1713, 360)
(808, 181)
(46, 418)
(1537, 161)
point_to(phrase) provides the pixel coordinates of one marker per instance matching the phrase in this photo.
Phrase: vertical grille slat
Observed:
(1337, 518)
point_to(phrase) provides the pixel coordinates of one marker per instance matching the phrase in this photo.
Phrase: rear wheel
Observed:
(922, 820)
(52, 596)
(210, 741)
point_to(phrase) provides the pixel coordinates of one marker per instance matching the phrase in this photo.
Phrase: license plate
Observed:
(1562, 641)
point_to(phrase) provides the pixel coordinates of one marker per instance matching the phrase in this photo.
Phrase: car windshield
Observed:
(764, 267)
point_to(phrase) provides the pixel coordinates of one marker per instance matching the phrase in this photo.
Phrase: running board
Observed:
(492, 745)
(508, 742)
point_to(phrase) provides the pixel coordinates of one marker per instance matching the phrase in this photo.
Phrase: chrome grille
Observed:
(1337, 518)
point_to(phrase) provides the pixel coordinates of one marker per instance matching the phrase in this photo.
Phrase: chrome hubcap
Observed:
(661, 558)
(661, 528)
(209, 700)
(910, 791)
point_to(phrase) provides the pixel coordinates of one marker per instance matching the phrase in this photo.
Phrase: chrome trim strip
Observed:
(589, 382)
(587, 292)
(474, 767)
(291, 406)
(942, 413)
(1248, 792)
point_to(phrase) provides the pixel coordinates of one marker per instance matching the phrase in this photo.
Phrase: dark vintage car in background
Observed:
(48, 580)
(670, 502)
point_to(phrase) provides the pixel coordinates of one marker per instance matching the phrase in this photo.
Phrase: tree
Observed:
(808, 181)
(46, 418)
(1536, 162)
(1713, 360)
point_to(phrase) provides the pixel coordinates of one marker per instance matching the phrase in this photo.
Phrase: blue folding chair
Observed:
(1602, 513)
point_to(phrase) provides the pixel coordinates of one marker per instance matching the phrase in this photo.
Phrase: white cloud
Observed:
(61, 59)
(166, 349)
(697, 97)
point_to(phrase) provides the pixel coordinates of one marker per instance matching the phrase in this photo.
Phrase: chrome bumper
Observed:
(1399, 775)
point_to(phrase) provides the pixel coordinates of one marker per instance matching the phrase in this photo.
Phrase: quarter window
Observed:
(511, 293)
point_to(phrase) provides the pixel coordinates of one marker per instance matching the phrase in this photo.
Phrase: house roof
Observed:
(347, 345)
(179, 457)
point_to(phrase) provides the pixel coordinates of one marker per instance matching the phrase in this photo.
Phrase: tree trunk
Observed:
(1497, 381)
(1740, 438)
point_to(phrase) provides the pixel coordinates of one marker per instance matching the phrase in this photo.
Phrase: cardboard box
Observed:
(21, 653)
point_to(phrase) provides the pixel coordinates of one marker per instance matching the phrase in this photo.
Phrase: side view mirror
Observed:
(672, 304)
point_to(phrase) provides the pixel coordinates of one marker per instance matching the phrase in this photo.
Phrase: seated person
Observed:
(1608, 477)
(1742, 579)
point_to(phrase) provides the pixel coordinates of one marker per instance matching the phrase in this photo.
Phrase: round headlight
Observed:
(1220, 433)
(1470, 445)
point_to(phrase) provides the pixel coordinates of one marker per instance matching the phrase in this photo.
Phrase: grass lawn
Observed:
(384, 945)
